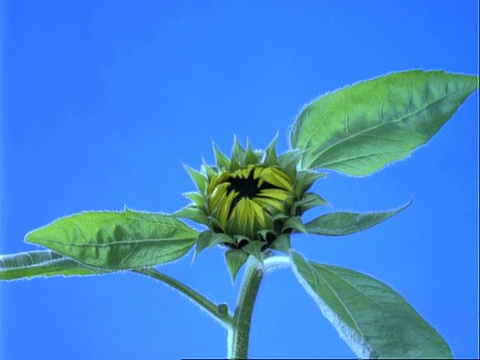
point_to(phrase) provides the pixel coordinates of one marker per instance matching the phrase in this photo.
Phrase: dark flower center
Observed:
(246, 187)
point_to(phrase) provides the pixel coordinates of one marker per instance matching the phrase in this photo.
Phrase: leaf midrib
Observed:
(359, 291)
(402, 118)
(125, 242)
(315, 276)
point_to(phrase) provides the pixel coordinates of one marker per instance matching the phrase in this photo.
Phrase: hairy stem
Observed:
(239, 335)
(219, 313)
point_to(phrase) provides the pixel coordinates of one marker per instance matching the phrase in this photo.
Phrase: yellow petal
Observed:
(257, 171)
(277, 194)
(224, 208)
(242, 219)
(258, 213)
(267, 203)
(276, 177)
(216, 197)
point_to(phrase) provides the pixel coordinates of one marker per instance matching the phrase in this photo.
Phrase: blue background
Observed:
(102, 103)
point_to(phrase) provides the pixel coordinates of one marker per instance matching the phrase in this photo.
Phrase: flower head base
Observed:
(251, 202)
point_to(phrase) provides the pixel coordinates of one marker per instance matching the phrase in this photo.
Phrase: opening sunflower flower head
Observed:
(244, 201)
(250, 203)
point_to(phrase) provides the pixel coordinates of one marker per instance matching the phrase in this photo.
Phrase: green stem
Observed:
(239, 335)
(220, 313)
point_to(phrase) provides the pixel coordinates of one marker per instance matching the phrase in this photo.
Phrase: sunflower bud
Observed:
(251, 202)
(244, 202)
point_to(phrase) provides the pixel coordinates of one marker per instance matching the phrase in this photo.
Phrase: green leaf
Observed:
(117, 240)
(360, 129)
(41, 264)
(374, 320)
(235, 259)
(345, 223)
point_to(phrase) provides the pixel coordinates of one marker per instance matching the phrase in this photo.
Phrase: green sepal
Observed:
(258, 153)
(192, 213)
(263, 234)
(195, 197)
(221, 160)
(208, 170)
(239, 239)
(202, 242)
(198, 178)
(305, 180)
(280, 216)
(238, 152)
(221, 238)
(254, 248)
(309, 201)
(282, 243)
(235, 259)
(250, 156)
(234, 165)
(270, 157)
(288, 162)
(215, 224)
(295, 223)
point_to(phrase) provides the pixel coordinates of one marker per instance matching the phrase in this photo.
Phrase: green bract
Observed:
(251, 201)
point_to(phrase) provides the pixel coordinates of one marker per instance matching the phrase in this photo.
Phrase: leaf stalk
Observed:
(214, 310)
